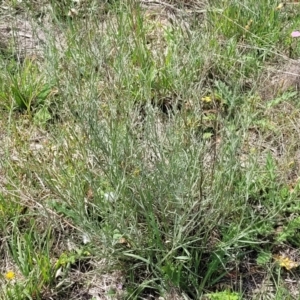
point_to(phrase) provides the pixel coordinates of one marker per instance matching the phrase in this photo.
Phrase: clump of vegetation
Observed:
(151, 152)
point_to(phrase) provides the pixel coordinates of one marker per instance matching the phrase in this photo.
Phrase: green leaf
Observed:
(43, 94)
(263, 258)
(224, 295)
(137, 257)
(42, 116)
(19, 98)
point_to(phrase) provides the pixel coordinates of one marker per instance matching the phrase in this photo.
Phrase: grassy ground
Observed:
(149, 150)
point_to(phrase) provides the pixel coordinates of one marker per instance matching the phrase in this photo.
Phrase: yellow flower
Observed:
(206, 99)
(136, 172)
(280, 6)
(285, 262)
(10, 275)
(247, 27)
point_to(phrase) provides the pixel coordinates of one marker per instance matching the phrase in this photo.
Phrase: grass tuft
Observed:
(149, 150)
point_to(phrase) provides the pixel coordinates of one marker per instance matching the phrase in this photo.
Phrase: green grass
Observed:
(151, 152)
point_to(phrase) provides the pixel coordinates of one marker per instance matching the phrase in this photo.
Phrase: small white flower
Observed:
(111, 197)
(86, 239)
(59, 272)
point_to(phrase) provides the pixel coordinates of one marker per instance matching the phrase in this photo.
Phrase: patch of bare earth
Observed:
(21, 37)
(280, 78)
